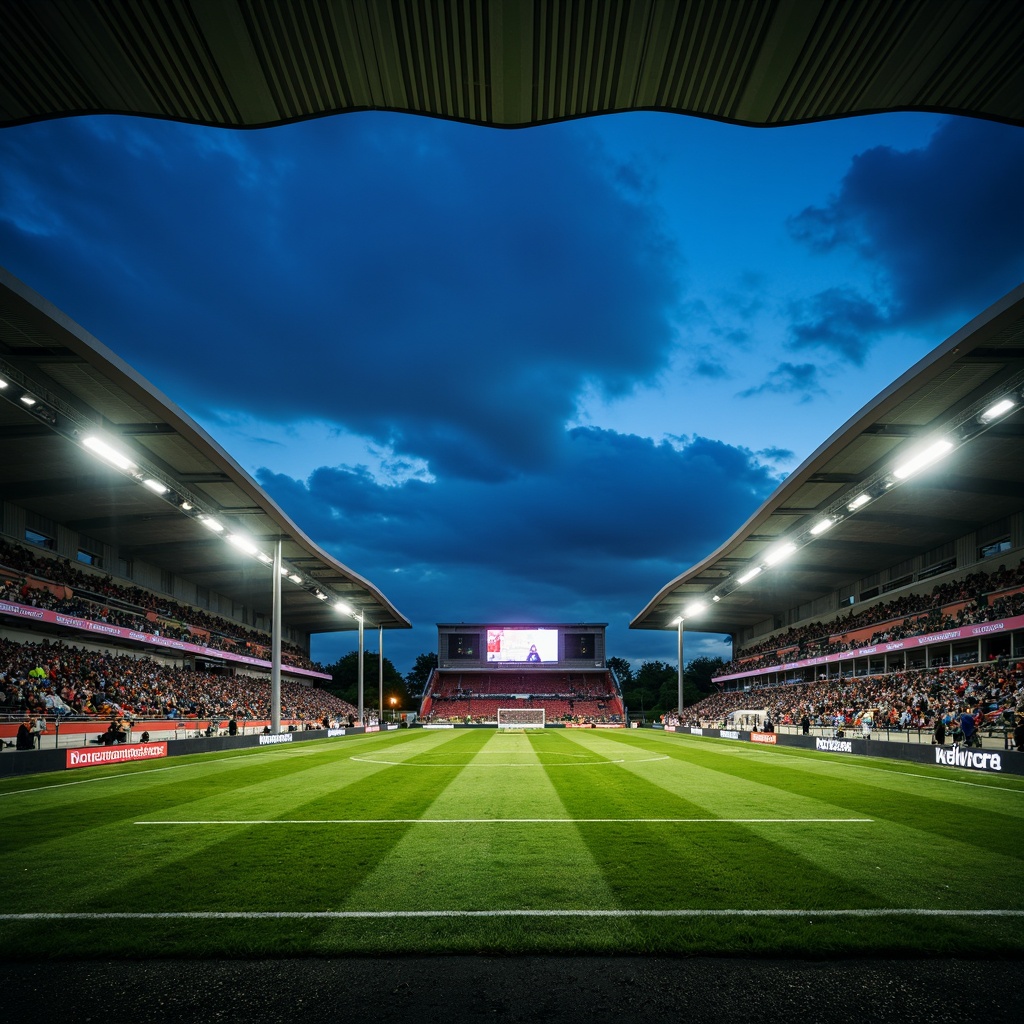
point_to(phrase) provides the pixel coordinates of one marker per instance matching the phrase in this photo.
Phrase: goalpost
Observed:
(520, 718)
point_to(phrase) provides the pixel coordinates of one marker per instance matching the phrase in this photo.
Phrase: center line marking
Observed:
(514, 821)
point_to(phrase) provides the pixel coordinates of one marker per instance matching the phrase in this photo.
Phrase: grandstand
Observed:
(873, 582)
(558, 668)
(125, 528)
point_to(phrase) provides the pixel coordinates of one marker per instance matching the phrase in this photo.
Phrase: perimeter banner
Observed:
(86, 758)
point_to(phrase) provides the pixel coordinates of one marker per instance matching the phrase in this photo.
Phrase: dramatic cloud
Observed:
(789, 379)
(942, 226)
(608, 521)
(443, 289)
(838, 319)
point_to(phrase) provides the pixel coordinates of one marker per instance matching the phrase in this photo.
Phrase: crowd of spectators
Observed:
(72, 591)
(977, 598)
(896, 700)
(51, 678)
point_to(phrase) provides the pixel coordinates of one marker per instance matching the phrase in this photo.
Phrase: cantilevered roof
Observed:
(81, 388)
(978, 483)
(509, 63)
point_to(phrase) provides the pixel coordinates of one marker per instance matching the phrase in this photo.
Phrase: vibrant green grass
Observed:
(469, 828)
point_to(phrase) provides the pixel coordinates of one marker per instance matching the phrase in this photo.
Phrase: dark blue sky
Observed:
(527, 375)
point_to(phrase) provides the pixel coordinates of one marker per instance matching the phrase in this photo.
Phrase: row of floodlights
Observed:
(920, 460)
(30, 402)
(108, 453)
(111, 455)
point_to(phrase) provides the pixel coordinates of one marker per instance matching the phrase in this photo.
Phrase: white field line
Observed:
(513, 821)
(101, 778)
(251, 915)
(512, 764)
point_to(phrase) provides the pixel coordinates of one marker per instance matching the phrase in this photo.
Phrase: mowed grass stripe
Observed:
(89, 844)
(684, 786)
(304, 869)
(902, 862)
(653, 865)
(466, 867)
(990, 821)
(299, 914)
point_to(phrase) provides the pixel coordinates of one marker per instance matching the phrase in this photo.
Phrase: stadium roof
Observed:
(509, 63)
(80, 389)
(978, 482)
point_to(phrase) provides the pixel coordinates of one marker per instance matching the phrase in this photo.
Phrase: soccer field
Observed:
(539, 841)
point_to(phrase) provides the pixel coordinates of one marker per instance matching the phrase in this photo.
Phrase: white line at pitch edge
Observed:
(249, 915)
(512, 821)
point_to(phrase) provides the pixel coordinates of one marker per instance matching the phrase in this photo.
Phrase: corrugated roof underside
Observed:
(260, 62)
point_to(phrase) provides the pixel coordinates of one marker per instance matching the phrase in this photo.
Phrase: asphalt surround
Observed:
(515, 989)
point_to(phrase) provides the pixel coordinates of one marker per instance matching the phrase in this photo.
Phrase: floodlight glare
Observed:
(28, 400)
(997, 410)
(264, 557)
(677, 620)
(695, 609)
(243, 543)
(750, 574)
(820, 527)
(295, 578)
(211, 524)
(342, 607)
(3, 383)
(931, 454)
(859, 502)
(716, 598)
(155, 486)
(185, 506)
(780, 552)
(100, 447)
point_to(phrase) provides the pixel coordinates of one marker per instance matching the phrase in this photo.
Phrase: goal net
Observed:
(520, 718)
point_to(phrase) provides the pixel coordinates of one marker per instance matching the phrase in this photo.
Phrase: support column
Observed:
(275, 646)
(359, 618)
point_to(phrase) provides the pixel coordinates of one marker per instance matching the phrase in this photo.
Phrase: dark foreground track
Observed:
(627, 990)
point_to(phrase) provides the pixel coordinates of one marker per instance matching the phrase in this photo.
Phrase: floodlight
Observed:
(916, 463)
(859, 502)
(212, 524)
(28, 400)
(993, 412)
(750, 574)
(779, 553)
(342, 607)
(295, 577)
(155, 486)
(695, 609)
(109, 454)
(821, 526)
(243, 543)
